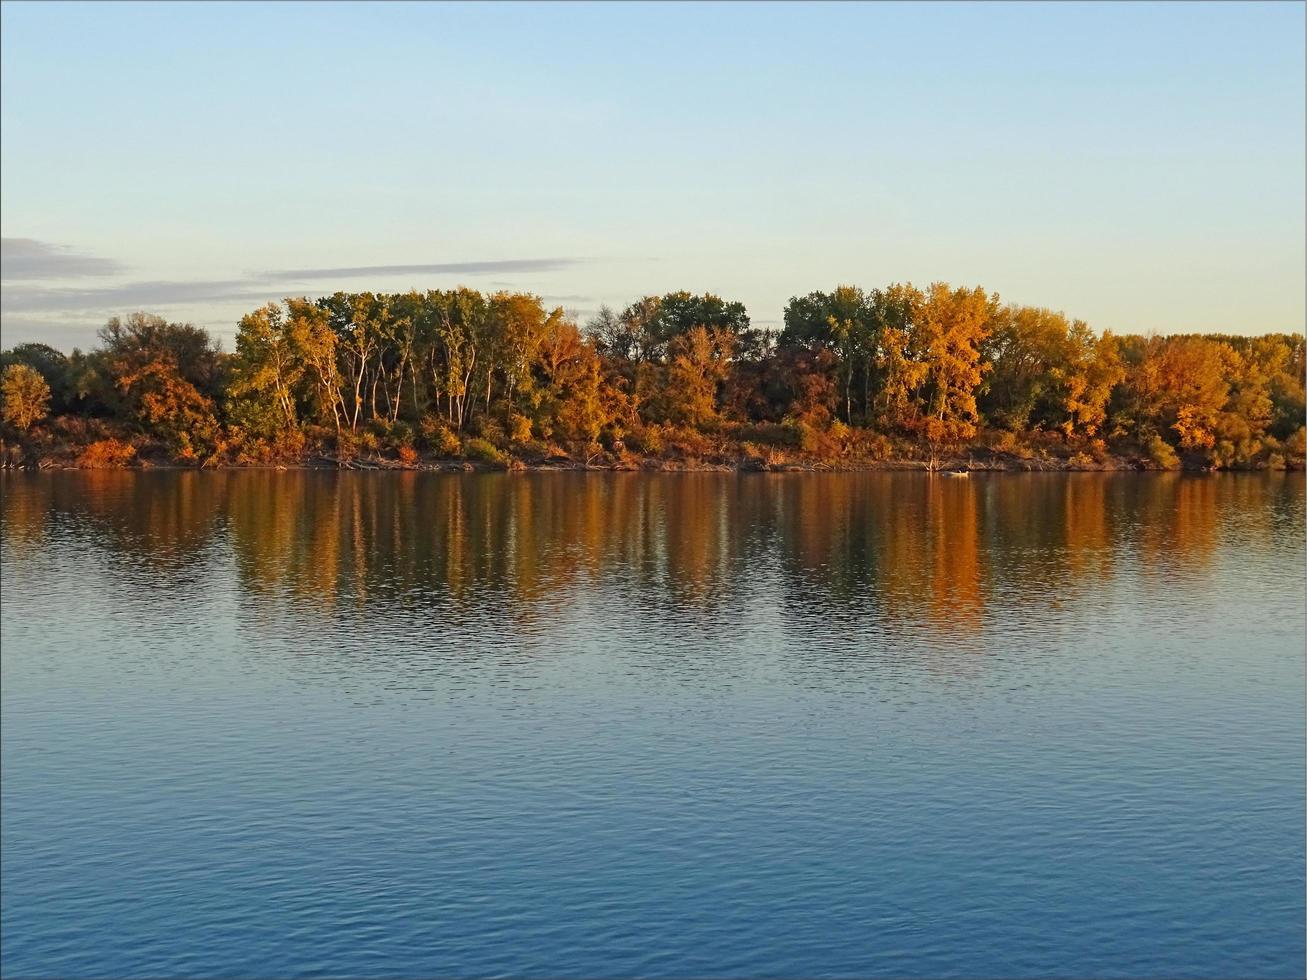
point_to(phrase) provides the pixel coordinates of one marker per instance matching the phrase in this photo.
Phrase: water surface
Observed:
(377, 724)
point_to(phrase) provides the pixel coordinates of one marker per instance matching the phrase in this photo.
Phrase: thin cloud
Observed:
(63, 332)
(440, 268)
(258, 287)
(30, 256)
(27, 259)
(132, 295)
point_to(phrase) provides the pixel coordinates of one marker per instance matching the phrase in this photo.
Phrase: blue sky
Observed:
(1139, 166)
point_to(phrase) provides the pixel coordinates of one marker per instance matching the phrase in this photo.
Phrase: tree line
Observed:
(853, 375)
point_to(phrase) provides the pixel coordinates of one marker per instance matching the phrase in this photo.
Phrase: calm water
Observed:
(689, 725)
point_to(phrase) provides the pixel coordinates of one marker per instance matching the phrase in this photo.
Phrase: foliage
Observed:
(439, 437)
(50, 364)
(166, 376)
(854, 374)
(1047, 373)
(482, 450)
(106, 454)
(24, 395)
(1161, 455)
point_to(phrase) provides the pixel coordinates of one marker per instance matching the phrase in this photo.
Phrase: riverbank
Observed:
(141, 454)
(67, 442)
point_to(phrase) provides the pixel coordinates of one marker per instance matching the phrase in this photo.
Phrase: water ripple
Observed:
(317, 724)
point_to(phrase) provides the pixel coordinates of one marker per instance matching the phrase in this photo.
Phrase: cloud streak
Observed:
(132, 295)
(257, 287)
(440, 268)
(23, 259)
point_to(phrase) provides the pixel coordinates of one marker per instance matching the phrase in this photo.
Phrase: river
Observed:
(563, 724)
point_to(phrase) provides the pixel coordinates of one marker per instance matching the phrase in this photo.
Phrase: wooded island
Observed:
(941, 376)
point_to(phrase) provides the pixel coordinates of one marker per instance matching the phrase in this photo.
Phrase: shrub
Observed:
(1003, 441)
(876, 445)
(346, 444)
(800, 433)
(613, 436)
(687, 442)
(482, 451)
(831, 442)
(1219, 454)
(106, 454)
(536, 450)
(400, 435)
(1296, 445)
(439, 437)
(408, 455)
(519, 428)
(488, 429)
(816, 432)
(1161, 455)
(248, 447)
(647, 439)
(769, 434)
(758, 455)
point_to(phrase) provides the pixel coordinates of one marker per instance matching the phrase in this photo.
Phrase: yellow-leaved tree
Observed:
(25, 396)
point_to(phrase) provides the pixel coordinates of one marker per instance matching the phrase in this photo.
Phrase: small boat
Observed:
(957, 472)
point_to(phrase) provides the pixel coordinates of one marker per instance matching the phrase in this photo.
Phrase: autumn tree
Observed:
(800, 381)
(1046, 372)
(570, 405)
(640, 330)
(403, 335)
(355, 319)
(460, 335)
(617, 337)
(1281, 362)
(1177, 391)
(681, 312)
(379, 369)
(24, 395)
(646, 328)
(1094, 374)
(266, 373)
(167, 376)
(52, 365)
(1030, 352)
(846, 323)
(700, 364)
(930, 358)
(521, 325)
(900, 359)
(311, 337)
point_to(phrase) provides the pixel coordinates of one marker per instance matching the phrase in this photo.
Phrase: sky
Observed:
(1139, 166)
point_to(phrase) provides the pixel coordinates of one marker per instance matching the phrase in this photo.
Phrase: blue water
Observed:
(372, 724)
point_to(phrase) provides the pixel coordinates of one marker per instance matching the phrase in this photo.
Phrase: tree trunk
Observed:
(358, 394)
(866, 392)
